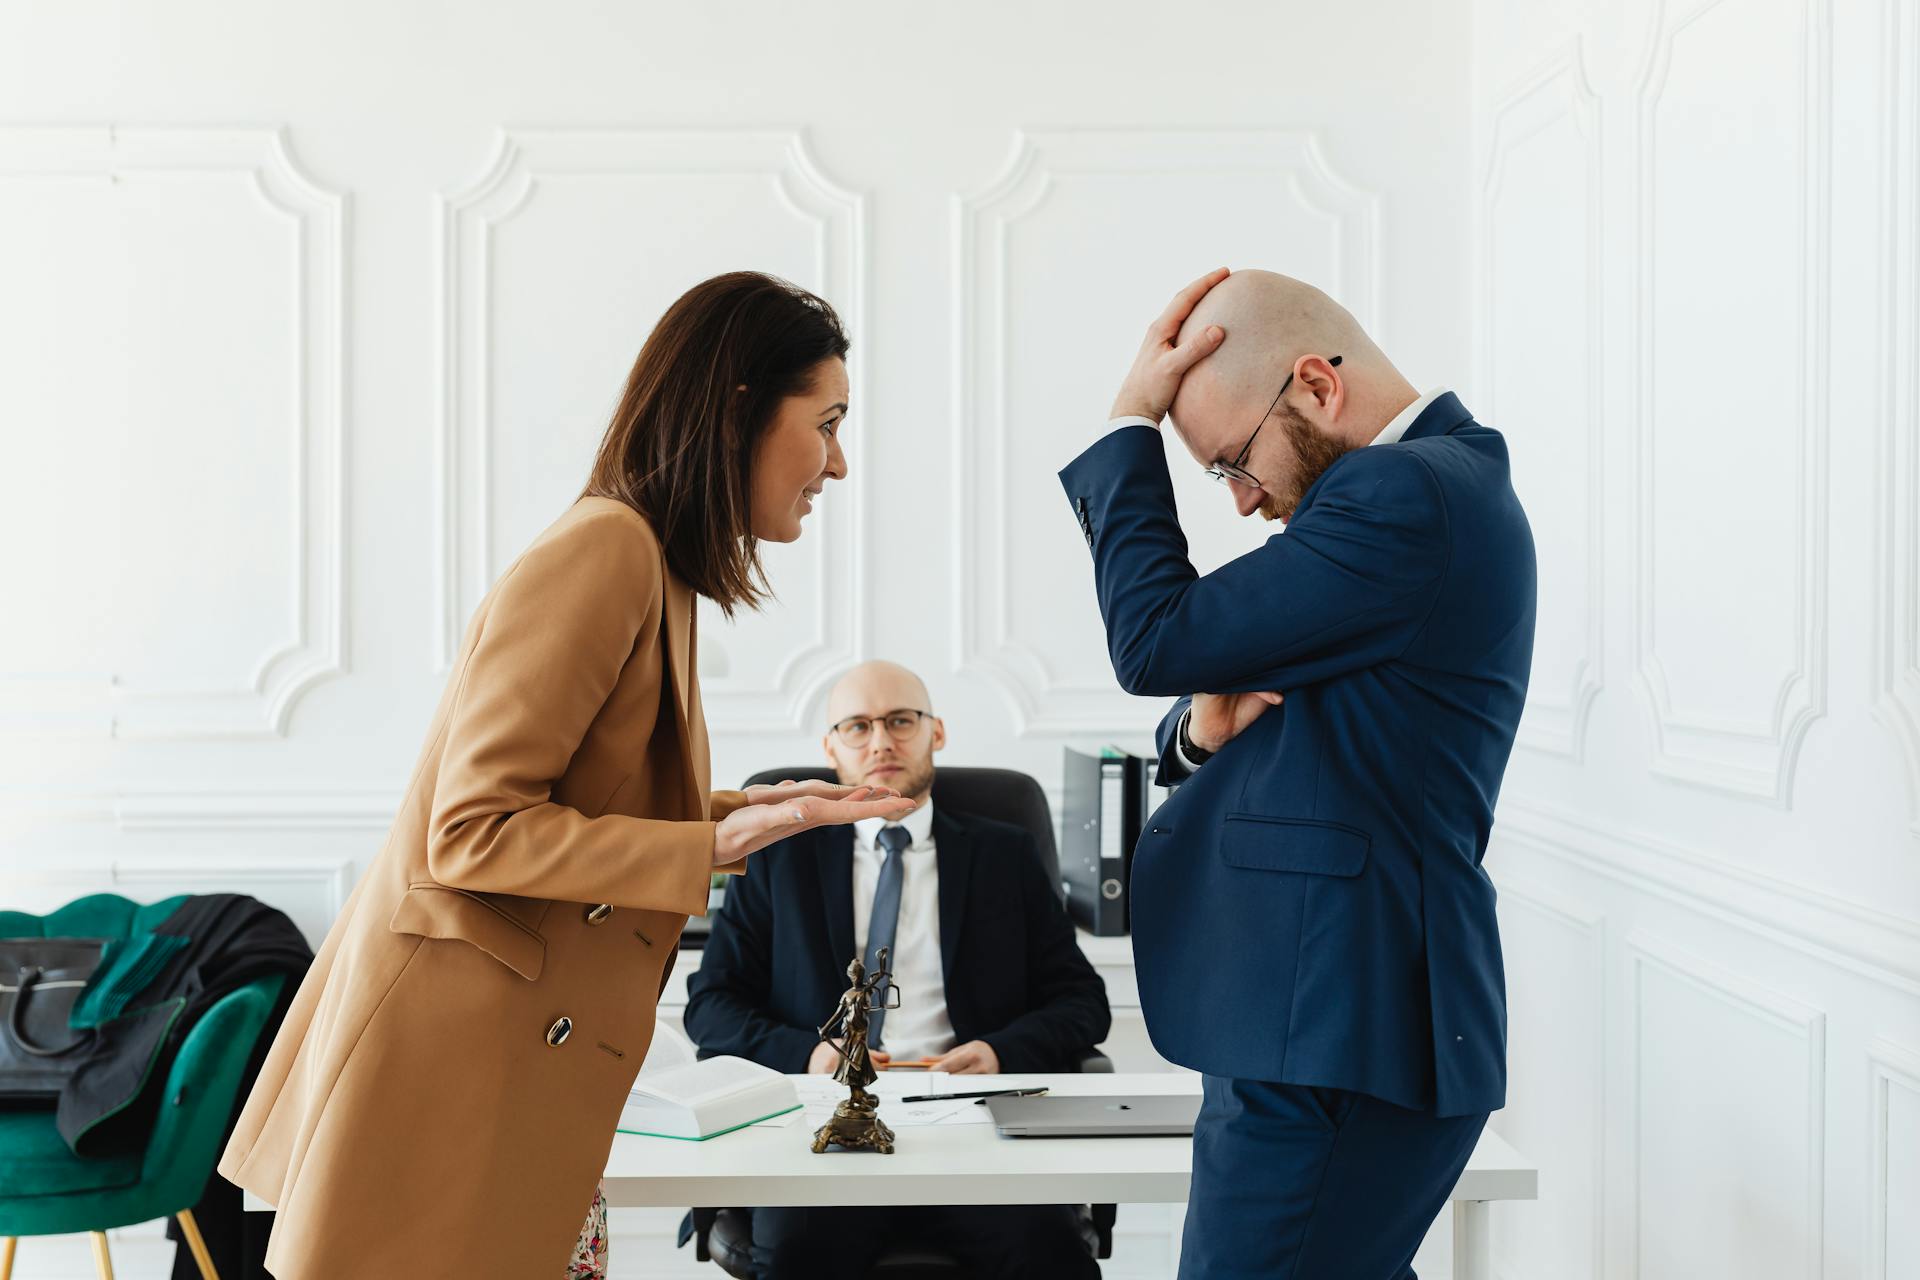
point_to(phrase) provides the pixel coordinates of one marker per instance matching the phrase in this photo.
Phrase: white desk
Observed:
(971, 1164)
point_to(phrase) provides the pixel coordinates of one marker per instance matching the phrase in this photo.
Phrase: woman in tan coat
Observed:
(442, 1096)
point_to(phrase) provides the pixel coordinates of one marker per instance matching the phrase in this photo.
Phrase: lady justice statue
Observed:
(856, 1123)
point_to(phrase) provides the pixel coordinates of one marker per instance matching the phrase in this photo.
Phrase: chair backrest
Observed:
(98, 915)
(1005, 795)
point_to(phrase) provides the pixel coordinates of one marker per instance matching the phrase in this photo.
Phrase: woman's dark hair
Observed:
(702, 392)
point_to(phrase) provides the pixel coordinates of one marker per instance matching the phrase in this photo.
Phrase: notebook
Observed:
(705, 1099)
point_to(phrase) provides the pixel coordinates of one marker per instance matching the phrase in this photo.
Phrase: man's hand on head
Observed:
(1157, 369)
(1219, 718)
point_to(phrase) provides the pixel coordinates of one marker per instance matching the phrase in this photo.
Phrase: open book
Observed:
(705, 1099)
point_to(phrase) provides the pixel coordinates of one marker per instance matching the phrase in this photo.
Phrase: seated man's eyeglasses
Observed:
(902, 725)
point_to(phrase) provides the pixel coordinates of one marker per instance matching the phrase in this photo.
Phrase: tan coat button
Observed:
(557, 1033)
(599, 914)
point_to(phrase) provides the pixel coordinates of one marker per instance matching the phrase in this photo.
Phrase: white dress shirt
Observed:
(919, 1028)
(1389, 434)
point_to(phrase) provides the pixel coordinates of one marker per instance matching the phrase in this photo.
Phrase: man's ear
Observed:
(1316, 374)
(939, 733)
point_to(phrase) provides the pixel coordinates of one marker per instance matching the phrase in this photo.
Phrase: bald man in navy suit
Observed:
(1313, 928)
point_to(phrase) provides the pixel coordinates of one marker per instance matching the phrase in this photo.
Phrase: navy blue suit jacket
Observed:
(1310, 907)
(776, 961)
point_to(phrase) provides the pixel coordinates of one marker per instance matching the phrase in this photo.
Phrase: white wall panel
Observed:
(1893, 1244)
(1897, 507)
(1731, 311)
(172, 374)
(1728, 1110)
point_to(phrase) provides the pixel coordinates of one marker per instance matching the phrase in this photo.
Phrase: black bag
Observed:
(41, 979)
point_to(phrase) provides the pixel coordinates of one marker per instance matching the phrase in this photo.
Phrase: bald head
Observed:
(1278, 327)
(873, 688)
(1271, 321)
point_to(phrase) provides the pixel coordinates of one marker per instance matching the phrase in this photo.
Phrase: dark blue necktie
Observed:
(893, 841)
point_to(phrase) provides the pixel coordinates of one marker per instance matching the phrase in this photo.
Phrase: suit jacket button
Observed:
(557, 1033)
(599, 914)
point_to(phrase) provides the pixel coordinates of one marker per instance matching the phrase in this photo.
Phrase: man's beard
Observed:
(1313, 453)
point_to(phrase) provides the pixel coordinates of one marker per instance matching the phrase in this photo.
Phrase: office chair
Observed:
(725, 1236)
(47, 1190)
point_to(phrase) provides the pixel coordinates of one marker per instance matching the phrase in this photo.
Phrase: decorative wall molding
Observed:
(365, 811)
(1648, 953)
(210, 813)
(985, 640)
(1556, 719)
(1897, 520)
(258, 703)
(1876, 945)
(312, 891)
(1742, 758)
(1588, 930)
(1889, 1067)
(468, 220)
(333, 878)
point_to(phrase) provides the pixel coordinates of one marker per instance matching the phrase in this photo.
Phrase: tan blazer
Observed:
(443, 1094)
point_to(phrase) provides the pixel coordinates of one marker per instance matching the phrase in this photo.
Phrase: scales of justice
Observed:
(856, 1124)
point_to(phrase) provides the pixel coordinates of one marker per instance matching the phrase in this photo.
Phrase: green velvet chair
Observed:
(47, 1190)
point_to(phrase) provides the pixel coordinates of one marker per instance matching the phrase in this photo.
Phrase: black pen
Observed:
(984, 1093)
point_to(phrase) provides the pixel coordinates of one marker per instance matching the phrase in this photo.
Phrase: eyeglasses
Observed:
(901, 726)
(1225, 471)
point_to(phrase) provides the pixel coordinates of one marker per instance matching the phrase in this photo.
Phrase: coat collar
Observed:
(1439, 418)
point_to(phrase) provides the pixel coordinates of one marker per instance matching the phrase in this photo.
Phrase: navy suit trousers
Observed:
(1292, 1182)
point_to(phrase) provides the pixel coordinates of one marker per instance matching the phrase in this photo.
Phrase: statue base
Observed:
(854, 1128)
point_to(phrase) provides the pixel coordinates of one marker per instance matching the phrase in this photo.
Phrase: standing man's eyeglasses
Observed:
(902, 726)
(1225, 471)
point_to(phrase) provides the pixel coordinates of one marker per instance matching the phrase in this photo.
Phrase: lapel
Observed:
(677, 619)
(953, 858)
(834, 861)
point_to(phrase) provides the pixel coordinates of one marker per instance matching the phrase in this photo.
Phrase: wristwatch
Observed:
(1195, 756)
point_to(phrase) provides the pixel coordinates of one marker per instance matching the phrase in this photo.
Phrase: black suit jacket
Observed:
(776, 961)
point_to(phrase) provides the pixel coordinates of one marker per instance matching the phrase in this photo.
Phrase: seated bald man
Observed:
(1347, 696)
(991, 977)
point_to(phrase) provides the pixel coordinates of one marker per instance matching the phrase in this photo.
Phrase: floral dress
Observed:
(589, 1260)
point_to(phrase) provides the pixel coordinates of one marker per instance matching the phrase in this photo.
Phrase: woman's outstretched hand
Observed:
(773, 793)
(754, 826)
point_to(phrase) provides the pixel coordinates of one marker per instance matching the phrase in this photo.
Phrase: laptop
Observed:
(1124, 1116)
